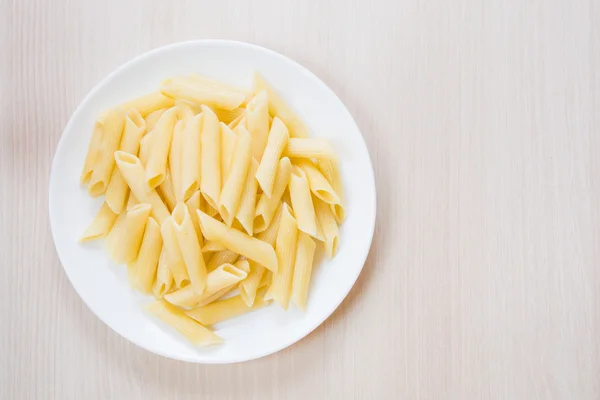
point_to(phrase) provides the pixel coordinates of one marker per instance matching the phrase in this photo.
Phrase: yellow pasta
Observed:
(189, 247)
(167, 192)
(145, 146)
(266, 207)
(161, 142)
(164, 278)
(240, 119)
(176, 158)
(116, 192)
(152, 118)
(317, 182)
(105, 162)
(195, 203)
(224, 309)
(124, 239)
(228, 116)
(245, 214)
(329, 226)
(190, 160)
(202, 90)
(185, 110)
(267, 169)
(101, 224)
(238, 242)
(192, 330)
(145, 265)
(302, 203)
(175, 259)
(305, 253)
(92, 154)
(220, 258)
(148, 103)
(228, 139)
(212, 246)
(330, 170)
(309, 148)
(231, 194)
(257, 121)
(210, 180)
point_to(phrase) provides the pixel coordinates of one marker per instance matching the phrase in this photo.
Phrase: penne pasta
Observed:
(278, 107)
(329, 226)
(228, 139)
(116, 192)
(309, 148)
(267, 169)
(302, 203)
(245, 214)
(220, 258)
(101, 225)
(266, 207)
(161, 142)
(190, 160)
(148, 103)
(317, 182)
(145, 146)
(164, 278)
(234, 240)
(202, 90)
(219, 282)
(195, 203)
(192, 330)
(228, 116)
(330, 170)
(92, 154)
(145, 265)
(184, 110)
(166, 191)
(134, 174)
(105, 162)
(257, 121)
(189, 247)
(305, 253)
(152, 118)
(285, 248)
(212, 246)
(175, 259)
(176, 159)
(124, 239)
(231, 194)
(240, 119)
(210, 179)
(222, 310)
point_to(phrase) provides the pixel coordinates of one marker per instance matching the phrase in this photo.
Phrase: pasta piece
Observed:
(190, 247)
(192, 330)
(211, 246)
(302, 203)
(101, 225)
(237, 121)
(257, 120)
(245, 214)
(145, 265)
(278, 107)
(267, 169)
(134, 174)
(202, 90)
(92, 154)
(164, 278)
(309, 148)
(184, 110)
(266, 207)
(176, 159)
(195, 203)
(228, 139)
(228, 116)
(330, 228)
(243, 264)
(224, 309)
(218, 282)
(210, 179)
(238, 242)
(305, 254)
(105, 162)
(190, 160)
(317, 182)
(145, 146)
(152, 118)
(220, 258)
(161, 142)
(330, 170)
(124, 239)
(231, 194)
(116, 192)
(167, 192)
(131, 202)
(148, 104)
(175, 259)
(285, 247)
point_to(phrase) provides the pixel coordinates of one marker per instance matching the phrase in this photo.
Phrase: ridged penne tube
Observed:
(124, 240)
(329, 226)
(221, 257)
(231, 195)
(185, 110)
(309, 148)
(211, 246)
(92, 154)
(145, 265)
(195, 203)
(224, 309)
(152, 118)
(192, 330)
(239, 242)
(116, 192)
(148, 103)
(227, 116)
(257, 121)
(278, 107)
(131, 201)
(317, 182)
(237, 121)
(302, 203)
(167, 192)
(218, 282)
(134, 174)
(331, 172)
(245, 214)
(145, 146)
(190, 160)
(266, 207)
(164, 278)
(190, 247)
(175, 259)
(267, 169)
(101, 225)
(202, 90)
(228, 139)
(210, 179)
(159, 152)
(285, 247)
(305, 253)
(105, 162)
(176, 159)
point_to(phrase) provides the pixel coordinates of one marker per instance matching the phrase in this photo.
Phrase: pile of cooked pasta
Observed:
(209, 188)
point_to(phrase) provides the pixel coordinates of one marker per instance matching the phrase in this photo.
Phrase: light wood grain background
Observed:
(482, 120)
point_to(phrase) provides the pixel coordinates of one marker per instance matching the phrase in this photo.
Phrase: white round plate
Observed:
(103, 285)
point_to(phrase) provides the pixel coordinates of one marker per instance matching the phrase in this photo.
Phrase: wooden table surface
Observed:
(482, 120)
